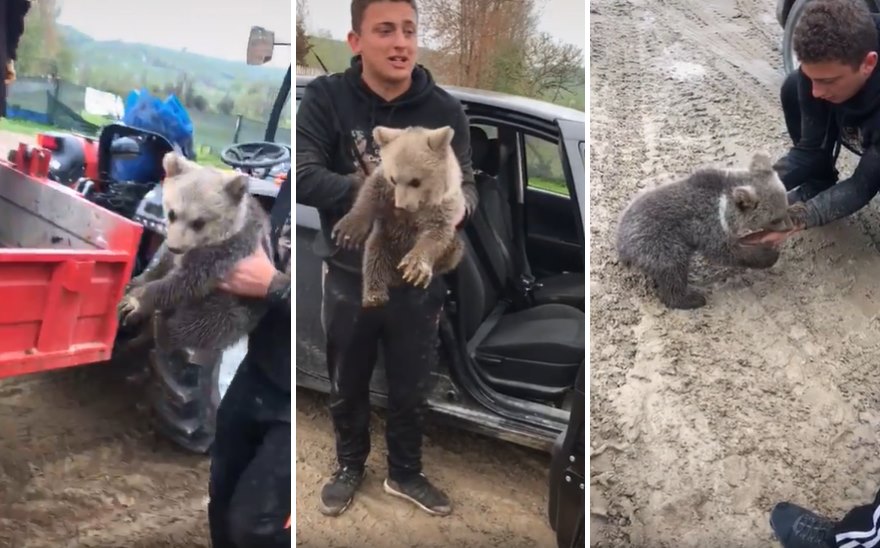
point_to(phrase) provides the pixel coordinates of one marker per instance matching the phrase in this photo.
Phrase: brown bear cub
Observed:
(406, 211)
(710, 212)
(213, 222)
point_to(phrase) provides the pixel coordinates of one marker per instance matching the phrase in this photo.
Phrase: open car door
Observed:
(566, 508)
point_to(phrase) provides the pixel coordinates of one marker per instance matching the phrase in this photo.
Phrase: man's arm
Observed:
(811, 156)
(316, 136)
(848, 196)
(278, 295)
(461, 144)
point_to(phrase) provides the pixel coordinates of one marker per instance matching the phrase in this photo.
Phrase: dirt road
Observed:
(709, 417)
(499, 491)
(80, 467)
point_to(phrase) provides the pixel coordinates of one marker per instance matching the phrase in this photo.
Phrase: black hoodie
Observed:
(858, 123)
(334, 124)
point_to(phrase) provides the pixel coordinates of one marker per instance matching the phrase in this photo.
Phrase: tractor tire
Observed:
(185, 390)
(789, 59)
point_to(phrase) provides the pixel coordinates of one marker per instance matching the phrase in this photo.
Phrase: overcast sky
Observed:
(565, 19)
(218, 28)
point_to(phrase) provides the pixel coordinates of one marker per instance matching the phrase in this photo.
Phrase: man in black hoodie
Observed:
(832, 100)
(334, 150)
(249, 488)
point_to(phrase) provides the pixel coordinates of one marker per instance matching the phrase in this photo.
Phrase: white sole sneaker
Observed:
(399, 494)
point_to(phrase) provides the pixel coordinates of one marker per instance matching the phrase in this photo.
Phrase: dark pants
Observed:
(407, 329)
(250, 499)
(859, 528)
(792, 102)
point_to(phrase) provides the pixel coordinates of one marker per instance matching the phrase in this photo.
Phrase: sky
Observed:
(218, 28)
(564, 19)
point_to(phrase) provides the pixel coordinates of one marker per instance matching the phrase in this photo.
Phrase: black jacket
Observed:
(12, 13)
(269, 342)
(856, 123)
(334, 124)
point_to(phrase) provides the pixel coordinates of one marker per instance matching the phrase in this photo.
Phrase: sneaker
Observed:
(797, 527)
(338, 493)
(420, 492)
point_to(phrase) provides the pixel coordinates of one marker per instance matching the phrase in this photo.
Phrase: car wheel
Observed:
(185, 390)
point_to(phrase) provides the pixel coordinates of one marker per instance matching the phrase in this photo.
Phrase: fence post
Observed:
(237, 129)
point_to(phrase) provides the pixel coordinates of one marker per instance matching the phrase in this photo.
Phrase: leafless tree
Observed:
(552, 66)
(303, 45)
(477, 41)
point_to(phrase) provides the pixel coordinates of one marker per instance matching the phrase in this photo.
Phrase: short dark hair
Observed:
(358, 7)
(840, 31)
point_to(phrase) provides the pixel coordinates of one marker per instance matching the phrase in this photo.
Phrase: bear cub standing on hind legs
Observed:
(710, 212)
(213, 222)
(405, 210)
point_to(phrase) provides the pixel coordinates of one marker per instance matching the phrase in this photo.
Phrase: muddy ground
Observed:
(80, 466)
(702, 420)
(498, 491)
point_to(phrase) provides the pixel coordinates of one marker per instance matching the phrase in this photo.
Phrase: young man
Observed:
(833, 99)
(250, 499)
(334, 150)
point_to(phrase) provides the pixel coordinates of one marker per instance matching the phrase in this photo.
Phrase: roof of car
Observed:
(526, 105)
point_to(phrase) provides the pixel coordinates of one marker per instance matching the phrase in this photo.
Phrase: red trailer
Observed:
(64, 263)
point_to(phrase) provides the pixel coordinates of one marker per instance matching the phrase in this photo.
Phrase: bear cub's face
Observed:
(203, 205)
(415, 162)
(759, 200)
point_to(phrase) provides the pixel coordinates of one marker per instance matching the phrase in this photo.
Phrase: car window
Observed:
(544, 166)
(491, 131)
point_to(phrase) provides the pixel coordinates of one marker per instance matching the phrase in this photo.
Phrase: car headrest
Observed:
(479, 147)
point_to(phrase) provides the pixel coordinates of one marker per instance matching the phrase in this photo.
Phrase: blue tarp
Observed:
(167, 118)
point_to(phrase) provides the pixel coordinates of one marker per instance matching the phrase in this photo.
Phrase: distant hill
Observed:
(164, 61)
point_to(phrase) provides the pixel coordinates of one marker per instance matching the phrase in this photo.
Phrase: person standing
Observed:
(334, 152)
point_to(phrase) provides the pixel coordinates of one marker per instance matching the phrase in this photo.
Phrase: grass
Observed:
(24, 127)
(556, 187)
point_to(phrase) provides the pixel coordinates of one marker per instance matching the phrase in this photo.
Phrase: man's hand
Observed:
(10, 72)
(459, 214)
(251, 276)
(797, 215)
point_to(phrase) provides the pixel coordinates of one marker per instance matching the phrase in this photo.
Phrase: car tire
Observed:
(185, 390)
(789, 60)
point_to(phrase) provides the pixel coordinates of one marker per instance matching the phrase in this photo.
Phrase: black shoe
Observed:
(338, 493)
(420, 492)
(797, 527)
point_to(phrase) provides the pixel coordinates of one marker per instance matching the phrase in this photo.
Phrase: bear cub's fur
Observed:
(212, 223)
(405, 210)
(709, 213)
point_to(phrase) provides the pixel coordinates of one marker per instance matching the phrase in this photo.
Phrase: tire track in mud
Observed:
(708, 418)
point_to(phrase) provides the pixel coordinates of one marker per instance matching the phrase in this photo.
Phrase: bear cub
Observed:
(405, 211)
(710, 212)
(212, 223)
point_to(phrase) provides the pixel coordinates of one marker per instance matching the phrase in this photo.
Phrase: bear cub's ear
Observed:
(174, 164)
(761, 163)
(745, 197)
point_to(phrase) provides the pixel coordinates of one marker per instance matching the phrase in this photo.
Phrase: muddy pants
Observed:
(795, 98)
(860, 528)
(407, 329)
(250, 499)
